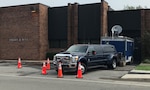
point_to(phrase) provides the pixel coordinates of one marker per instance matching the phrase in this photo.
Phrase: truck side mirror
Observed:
(93, 52)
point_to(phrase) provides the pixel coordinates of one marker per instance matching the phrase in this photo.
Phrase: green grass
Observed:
(143, 67)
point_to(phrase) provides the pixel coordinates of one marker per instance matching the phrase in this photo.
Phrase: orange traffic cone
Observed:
(79, 72)
(44, 69)
(48, 64)
(19, 63)
(60, 74)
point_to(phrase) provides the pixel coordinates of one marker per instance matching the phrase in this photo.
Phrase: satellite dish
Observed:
(116, 29)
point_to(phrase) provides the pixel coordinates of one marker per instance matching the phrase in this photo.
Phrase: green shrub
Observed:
(145, 45)
(50, 55)
(146, 60)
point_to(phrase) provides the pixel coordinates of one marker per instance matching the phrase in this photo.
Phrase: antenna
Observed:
(116, 30)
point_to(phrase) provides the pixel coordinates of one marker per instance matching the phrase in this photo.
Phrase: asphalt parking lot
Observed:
(35, 71)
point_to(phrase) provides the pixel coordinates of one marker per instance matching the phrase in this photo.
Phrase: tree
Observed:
(127, 7)
(146, 45)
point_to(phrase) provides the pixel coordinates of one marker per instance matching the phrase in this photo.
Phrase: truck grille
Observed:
(64, 59)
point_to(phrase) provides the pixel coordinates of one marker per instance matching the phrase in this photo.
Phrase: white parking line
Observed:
(114, 82)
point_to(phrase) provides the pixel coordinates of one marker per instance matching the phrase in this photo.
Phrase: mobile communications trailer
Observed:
(124, 45)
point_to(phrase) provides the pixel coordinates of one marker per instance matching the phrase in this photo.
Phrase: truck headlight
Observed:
(54, 60)
(75, 58)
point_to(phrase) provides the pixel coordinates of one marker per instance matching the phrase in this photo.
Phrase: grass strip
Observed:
(143, 67)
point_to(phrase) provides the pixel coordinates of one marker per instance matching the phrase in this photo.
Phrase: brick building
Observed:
(77, 24)
(23, 31)
(30, 31)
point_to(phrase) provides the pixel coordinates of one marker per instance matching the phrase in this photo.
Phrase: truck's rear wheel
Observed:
(113, 64)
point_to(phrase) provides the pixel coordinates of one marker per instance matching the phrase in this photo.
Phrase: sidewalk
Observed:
(27, 62)
(137, 74)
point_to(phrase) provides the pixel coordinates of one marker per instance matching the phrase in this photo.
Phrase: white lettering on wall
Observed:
(18, 39)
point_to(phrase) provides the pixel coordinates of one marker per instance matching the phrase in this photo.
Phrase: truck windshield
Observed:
(77, 48)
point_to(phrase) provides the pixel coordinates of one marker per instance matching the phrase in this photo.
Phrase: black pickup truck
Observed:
(90, 55)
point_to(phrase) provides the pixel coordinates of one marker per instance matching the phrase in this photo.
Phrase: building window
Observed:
(57, 43)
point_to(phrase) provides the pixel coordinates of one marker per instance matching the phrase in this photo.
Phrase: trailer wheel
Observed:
(122, 62)
(131, 62)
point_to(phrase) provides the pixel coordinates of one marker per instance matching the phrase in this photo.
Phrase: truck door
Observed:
(91, 56)
(99, 54)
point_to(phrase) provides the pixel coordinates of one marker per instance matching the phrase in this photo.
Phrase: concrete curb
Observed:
(137, 74)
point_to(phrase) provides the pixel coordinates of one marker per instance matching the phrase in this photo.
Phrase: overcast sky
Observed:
(115, 4)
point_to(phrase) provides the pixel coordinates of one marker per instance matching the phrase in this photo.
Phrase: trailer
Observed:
(124, 46)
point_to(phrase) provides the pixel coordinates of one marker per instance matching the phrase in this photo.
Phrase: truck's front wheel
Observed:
(83, 68)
